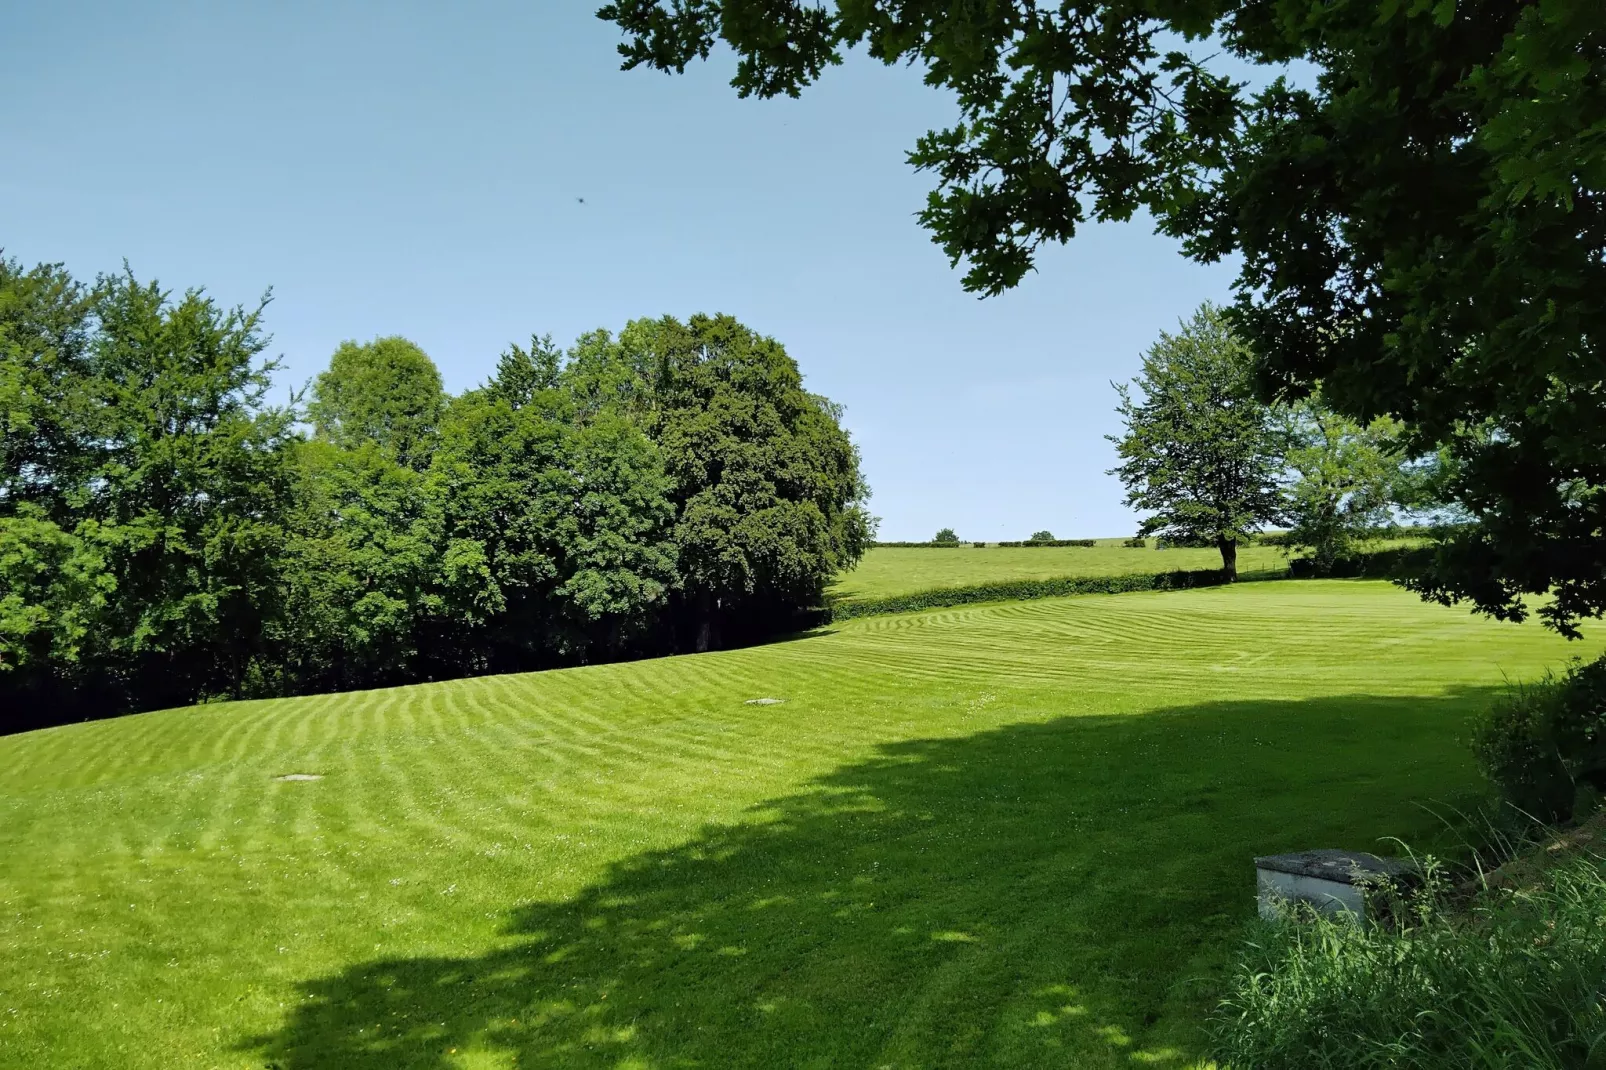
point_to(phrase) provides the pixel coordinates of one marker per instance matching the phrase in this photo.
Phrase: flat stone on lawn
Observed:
(764, 701)
(1329, 880)
(300, 776)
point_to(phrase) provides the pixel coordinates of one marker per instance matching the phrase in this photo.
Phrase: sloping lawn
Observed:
(887, 571)
(1012, 835)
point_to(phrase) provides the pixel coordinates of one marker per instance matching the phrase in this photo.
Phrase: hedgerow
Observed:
(1373, 565)
(1050, 542)
(920, 545)
(1017, 590)
(1378, 564)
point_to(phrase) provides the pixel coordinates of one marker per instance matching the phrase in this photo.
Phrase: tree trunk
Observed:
(1229, 558)
(707, 632)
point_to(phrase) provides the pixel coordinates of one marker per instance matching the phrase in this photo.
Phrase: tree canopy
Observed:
(140, 527)
(768, 496)
(1200, 454)
(387, 392)
(167, 535)
(1421, 225)
(1345, 484)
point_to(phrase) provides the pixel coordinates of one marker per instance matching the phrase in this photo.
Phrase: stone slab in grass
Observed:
(1331, 881)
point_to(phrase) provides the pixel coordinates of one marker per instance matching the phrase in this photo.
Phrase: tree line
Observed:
(170, 535)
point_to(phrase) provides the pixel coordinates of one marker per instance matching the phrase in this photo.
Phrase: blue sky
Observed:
(416, 169)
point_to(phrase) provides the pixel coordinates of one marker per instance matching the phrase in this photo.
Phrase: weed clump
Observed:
(1513, 980)
(1545, 742)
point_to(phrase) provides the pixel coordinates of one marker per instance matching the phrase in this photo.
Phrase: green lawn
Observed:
(893, 570)
(1009, 835)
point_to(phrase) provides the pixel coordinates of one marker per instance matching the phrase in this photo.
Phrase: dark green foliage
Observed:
(1345, 481)
(387, 392)
(1136, 542)
(956, 544)
(1042, 536)
(768, 498)
(556, 534)
(980, 545)
(140, 529)
(1189, 542)
(1017, 590)
(1512, 982)
(1516, 749)
(1543, 741)
(1389, 564)
(1420, 231)
(945, 537)
(1035, 541)
(522, 373)
(1200, 453)
(361, 567)
(45, 400)
(166, 537)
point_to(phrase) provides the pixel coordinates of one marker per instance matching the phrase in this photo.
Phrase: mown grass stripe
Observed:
(960, 822)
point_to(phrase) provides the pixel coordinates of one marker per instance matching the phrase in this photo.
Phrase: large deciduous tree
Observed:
(556, 538)
(1421, 223)
(1200, 453)
(143, 496)
(360, 571)
(387, 392)
(769, 500)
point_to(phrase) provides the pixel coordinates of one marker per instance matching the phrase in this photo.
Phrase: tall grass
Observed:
(1516, 980)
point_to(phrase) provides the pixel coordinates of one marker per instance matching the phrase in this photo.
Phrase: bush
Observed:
(1042, 536)
(946, 537)
(1513, 982)
(1136, 542)
(922, 545)
(1543, 741)
(1376, 564)
(1516, 751)
(1024, 589)
(979, 545)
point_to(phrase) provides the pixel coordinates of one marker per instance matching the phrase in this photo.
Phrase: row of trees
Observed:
(168, 535)
(1212, 464)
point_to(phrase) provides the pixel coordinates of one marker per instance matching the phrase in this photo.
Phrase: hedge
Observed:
(1018, 590)
(1051, 542)
(1378, 564)
(1372, 565)
(922, 545)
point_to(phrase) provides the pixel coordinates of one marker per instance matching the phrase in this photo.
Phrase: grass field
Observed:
(895, 570)
(1010, 835)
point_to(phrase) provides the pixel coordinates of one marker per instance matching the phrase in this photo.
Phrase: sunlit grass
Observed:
(895, 570)
(1015, 834)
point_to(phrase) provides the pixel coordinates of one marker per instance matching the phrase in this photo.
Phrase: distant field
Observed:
(889, 571)
(1008, 835)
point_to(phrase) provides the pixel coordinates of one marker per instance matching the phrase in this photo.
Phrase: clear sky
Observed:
(417, 169)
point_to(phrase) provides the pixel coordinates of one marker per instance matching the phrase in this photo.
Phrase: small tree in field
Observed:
(1200, 452)
(945, 536)
(1041, 536)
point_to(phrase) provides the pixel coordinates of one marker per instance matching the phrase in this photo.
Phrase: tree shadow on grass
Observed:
(1062, 893)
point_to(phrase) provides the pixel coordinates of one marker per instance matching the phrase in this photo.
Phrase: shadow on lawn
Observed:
(1040, 894)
